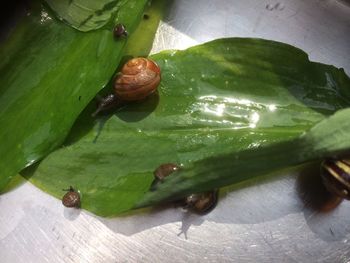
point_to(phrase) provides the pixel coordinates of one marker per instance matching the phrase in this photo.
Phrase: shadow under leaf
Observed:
(322, 211)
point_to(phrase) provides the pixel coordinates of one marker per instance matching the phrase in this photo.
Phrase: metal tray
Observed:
(286, 219)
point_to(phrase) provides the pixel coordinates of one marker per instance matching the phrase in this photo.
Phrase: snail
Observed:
(119, 31)
(202, 203)
(138, 79)
(71, 198)
(165, 170)
(336, 176)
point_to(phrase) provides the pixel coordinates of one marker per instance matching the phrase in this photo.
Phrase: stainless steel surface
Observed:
(274, 221)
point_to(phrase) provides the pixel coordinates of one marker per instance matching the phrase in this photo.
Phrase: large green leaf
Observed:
(330, 137)
(223, 97)
(49, 73)
(86, 15)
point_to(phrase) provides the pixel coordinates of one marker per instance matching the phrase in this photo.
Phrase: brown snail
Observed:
(138, 79)
(336, 176)
(202, 203)
(165, 170)
(71, 198)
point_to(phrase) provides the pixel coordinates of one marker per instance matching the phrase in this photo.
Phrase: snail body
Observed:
(71, 198)
(336, 177)
(138, 78)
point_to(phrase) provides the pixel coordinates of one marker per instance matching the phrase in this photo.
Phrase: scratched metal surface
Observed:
(287, 219)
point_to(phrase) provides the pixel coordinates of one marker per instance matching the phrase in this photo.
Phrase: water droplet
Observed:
(254, 119)
(30, 162)
(44, 16)
(269, 7)
(220, 109)
(278, 6)
(272, 107)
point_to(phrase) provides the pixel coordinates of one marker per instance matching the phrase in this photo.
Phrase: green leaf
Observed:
(330, 137)
(49, 73)
(217, 99)
(86, 15)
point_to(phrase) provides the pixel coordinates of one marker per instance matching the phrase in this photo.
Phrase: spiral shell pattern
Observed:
(336, 176)
(202, 203)
(71, 199)
(138, 79)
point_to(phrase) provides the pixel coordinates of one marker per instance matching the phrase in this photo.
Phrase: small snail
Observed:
(336, 177)
(71, 198)
(202, 203)
(165, 170)
(119, 31)
(138, 79)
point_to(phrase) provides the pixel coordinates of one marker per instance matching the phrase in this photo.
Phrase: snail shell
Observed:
(119, 31)
(202, 203)
(165, 170)
(71, 198)
(161, 172)
(336, 176)
(138, 78)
